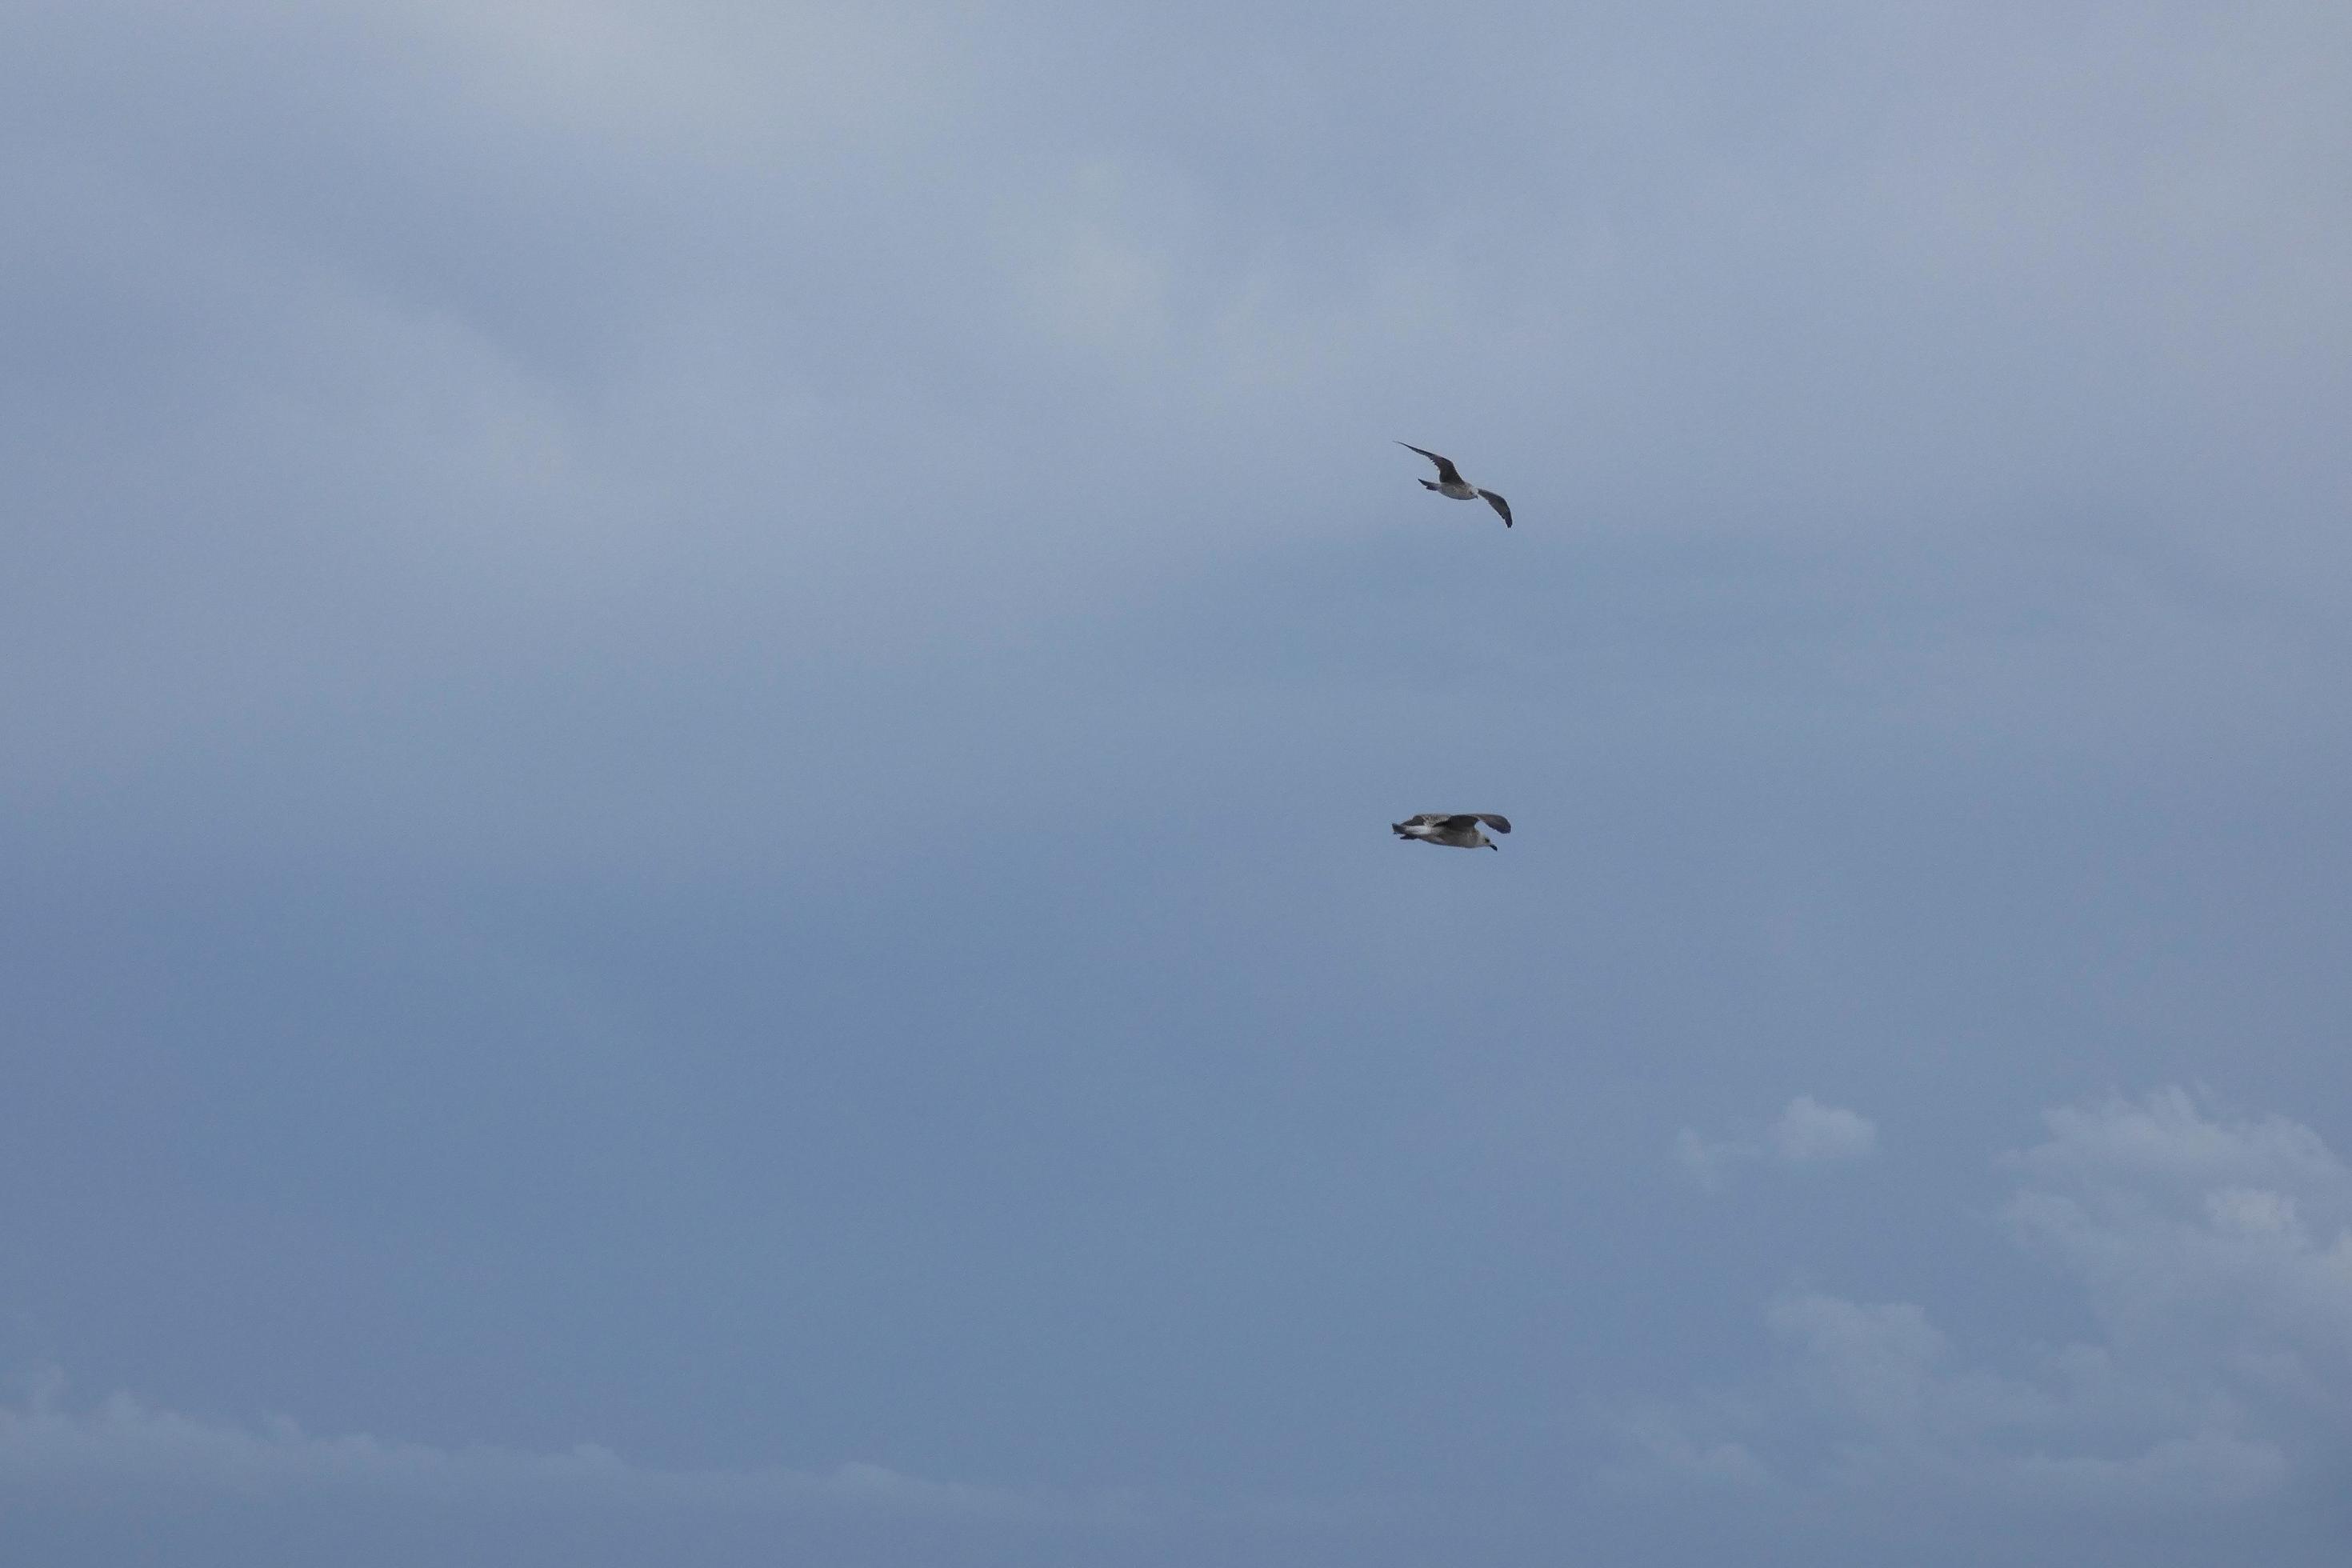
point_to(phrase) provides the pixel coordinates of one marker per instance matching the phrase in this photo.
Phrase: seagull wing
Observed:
(1421, 819)
(1499, 824)
(1462, 822)
(1447, 474)
(1499, 504)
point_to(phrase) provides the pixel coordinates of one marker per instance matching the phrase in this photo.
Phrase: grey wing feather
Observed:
(1499, 824)
(1421, 819)
(1447, 472)
(1464, 822)
(1499, 504)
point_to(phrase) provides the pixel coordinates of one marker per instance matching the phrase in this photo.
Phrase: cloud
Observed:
(2214, 1255)
(2226, 1243)
(1807, 1133)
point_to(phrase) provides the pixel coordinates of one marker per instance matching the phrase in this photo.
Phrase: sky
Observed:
(702, 703)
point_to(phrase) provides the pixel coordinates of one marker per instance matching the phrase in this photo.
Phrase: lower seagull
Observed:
(1450, 482)
(1456, 832)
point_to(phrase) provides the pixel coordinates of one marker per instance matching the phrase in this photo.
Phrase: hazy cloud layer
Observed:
(119, 1449)
(64, 1460)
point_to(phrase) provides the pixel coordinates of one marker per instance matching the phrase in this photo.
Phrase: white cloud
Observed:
(1806, 1133)
(2226, 1243)
(2215, 1254)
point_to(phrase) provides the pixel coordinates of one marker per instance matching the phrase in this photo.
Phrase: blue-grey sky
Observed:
(702, 700)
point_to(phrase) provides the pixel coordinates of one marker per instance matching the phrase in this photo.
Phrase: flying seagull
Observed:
(1450, 482)
(1455, 832)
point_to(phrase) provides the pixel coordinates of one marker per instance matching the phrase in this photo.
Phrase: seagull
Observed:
(1450, 482)
(1455, 832)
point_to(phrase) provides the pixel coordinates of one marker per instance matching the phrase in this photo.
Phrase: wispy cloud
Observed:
(1806, 1133)
(1810, 1132)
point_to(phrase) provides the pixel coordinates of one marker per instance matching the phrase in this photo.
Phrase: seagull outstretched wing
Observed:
(1447, 474)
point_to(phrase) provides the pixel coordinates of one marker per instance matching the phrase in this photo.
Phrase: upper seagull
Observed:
(1450, 482)
(1457, 831)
